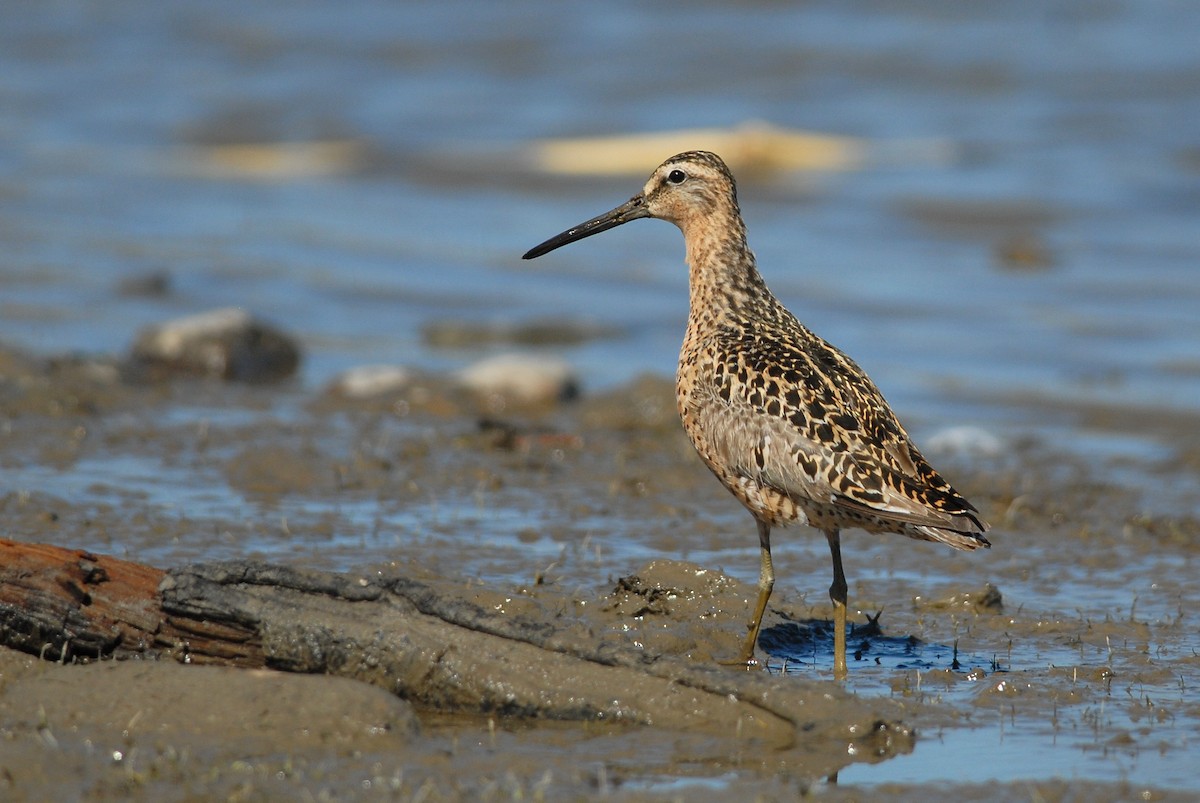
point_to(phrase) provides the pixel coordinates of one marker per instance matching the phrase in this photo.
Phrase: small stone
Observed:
(1024, 252)
(371, 381)
(227, 343)
(522, 378)
(983, 600)
(154, 284)
(965, 440)
(538, 332)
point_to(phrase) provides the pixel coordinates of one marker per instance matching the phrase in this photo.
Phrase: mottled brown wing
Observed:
(808, 422)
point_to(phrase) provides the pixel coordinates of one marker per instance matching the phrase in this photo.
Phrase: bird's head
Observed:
(687, 187)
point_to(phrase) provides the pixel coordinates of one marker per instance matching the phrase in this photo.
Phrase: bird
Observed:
(790, 425)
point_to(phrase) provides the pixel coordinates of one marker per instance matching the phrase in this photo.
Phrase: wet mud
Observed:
(1076, 635)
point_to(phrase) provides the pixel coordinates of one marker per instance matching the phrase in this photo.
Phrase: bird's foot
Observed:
(871, 628)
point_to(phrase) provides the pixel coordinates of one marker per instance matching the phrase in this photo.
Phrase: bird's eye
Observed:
(677, 177)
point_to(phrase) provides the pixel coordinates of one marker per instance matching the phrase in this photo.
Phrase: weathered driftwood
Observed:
(437, 649)
(67, 603)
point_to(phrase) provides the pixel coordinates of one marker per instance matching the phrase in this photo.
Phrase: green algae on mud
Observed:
(1083, 678)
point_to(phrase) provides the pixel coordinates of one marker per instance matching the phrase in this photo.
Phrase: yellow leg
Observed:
(837, 593)
(766, 581)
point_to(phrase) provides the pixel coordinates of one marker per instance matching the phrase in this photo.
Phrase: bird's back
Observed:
(798, 432)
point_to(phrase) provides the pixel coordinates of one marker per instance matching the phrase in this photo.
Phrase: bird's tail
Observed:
(969, 537)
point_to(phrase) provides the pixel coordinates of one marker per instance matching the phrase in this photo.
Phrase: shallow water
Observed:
(1080, 137)
(1067, 129)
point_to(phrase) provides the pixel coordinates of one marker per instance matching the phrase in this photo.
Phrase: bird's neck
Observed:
(724, 281)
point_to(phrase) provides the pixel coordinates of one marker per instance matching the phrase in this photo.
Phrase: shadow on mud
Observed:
(799, 644)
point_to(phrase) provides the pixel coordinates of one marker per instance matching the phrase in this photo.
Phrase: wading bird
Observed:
(789, 424)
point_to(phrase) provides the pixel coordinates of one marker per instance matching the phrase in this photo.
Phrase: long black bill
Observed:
(632, 209)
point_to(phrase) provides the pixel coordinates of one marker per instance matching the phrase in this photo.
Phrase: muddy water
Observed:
(1063, 657)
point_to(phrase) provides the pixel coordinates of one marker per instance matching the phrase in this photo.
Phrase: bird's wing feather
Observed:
(811, 424)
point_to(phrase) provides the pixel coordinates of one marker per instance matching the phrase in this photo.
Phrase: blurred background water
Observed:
(1021, 242)
(1027, 223)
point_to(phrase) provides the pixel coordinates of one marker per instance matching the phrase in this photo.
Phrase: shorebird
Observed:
(788, 423)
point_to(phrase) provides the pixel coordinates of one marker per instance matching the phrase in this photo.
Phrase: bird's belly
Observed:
(780, 509)
(765, 503)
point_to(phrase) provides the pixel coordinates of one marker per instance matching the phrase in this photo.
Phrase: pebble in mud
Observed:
(539, 332)
(227, 343)
(981, 600)
(521, 378)
(371, 381)
(151, 284)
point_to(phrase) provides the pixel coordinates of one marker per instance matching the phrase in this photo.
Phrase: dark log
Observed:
(68, 603)
(436, 648)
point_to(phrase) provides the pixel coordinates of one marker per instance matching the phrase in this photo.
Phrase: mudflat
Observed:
(1064, 661)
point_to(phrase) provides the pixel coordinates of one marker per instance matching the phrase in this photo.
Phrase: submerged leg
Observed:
(837, 593)
(766, 581)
